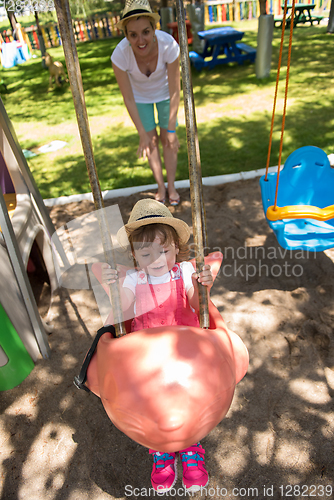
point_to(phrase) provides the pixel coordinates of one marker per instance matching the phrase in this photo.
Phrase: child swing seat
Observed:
(304, 215)
(166, 387)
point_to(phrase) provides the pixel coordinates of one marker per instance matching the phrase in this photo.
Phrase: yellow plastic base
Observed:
(10, 200)
(300, 212)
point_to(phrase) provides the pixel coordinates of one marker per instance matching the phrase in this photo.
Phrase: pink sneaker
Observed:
(164, 472)
(195, 475)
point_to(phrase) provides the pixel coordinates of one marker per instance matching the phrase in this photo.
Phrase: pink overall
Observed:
(164, 304)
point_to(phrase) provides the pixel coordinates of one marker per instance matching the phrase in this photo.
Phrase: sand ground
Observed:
(277, 439)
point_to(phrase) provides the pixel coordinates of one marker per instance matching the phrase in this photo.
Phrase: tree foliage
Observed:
(86, 8)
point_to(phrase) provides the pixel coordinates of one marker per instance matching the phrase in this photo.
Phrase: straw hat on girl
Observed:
(136, 8)
(150, 211)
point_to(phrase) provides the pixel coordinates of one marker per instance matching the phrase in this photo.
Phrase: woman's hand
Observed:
(109, 275)
(204, 277)
(172, 141)
(146, 146)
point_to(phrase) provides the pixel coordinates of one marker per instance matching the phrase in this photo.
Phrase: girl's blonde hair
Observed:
(145, 235)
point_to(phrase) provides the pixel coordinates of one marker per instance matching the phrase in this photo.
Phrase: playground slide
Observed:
(27, 229)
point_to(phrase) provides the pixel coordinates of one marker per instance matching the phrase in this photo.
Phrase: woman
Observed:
(146, 66)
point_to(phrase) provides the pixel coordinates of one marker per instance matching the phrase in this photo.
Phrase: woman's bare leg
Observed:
(170, 159)
(156, 167)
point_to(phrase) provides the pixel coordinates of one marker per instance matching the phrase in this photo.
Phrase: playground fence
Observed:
(217, 11)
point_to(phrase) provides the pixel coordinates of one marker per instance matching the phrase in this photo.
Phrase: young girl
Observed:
(163, 290)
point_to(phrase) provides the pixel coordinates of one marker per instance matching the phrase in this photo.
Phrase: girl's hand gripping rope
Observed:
(204, 277)
(109, 275)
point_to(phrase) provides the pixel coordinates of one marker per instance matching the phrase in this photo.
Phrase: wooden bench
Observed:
(317, 18)
(248, 53)
(247, 49)
(197, 60)
(301, 17)
(278, 21)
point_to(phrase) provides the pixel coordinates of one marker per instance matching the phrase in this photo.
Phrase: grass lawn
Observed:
(233, 110)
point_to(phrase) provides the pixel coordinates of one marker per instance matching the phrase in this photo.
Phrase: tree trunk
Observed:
(40, 40)
(12, 20)
(264, 45)
(263, 7)
(330, 26)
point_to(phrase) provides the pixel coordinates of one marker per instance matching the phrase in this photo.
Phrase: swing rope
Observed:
(194, 160)
(276, 89)
(195, 177)
(285, 98)
(74, 74)
(275, 213)
(285, 95)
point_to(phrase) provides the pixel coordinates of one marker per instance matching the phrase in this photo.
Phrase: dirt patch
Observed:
(58, 443)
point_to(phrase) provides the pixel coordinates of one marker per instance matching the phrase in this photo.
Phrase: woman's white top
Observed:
(155, 87)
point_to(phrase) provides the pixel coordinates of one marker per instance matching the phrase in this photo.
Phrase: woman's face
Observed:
(140, 35)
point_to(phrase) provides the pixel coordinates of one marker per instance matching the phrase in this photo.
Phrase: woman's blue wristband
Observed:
(171, 131)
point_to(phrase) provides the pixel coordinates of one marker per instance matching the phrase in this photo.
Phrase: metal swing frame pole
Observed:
(194, 160)
(74, 74)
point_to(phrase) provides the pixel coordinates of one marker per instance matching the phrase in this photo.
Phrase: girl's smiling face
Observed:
(140, 33)
(156, 259)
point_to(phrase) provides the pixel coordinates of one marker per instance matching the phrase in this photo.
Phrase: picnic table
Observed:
(221, 47)
(302, 15)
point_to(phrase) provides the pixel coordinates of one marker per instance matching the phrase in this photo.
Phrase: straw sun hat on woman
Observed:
(136, 8)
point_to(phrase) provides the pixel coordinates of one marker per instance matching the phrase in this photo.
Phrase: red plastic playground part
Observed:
(168, 387)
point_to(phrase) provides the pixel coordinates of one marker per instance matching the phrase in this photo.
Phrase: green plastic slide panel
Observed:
(16, 363)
